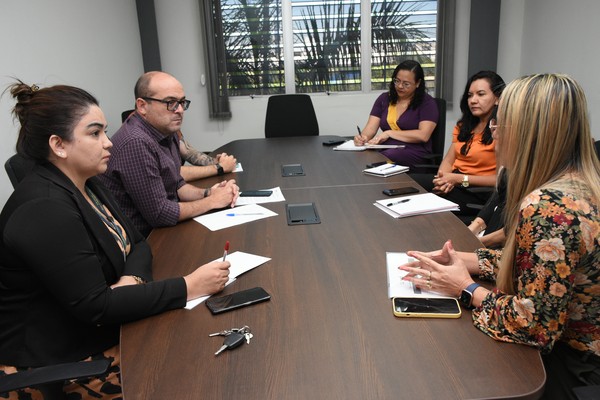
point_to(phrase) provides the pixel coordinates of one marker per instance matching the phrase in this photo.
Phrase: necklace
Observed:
(114, 227)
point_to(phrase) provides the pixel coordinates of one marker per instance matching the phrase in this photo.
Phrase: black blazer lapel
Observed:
(95, 225)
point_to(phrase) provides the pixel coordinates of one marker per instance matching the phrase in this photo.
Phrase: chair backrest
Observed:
(438, 136)
(17, 167)
(291, 115)
(126, 114)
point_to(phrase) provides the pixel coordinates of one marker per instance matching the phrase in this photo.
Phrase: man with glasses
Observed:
(144, 167)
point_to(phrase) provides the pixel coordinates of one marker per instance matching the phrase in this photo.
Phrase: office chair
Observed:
(291, 115)
(126, 114)
(17, 167)
(50, 379)
(438, 141)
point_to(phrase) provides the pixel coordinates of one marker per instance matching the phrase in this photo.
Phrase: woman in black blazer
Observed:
(72, 266)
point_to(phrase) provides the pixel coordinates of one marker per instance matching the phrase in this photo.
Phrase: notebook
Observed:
(386, 170)
(407, 206)
(350, 146)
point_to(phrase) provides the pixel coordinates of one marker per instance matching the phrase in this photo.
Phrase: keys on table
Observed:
(233, 338)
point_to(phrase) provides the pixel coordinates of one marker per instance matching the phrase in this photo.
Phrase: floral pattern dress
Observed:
(557, 273)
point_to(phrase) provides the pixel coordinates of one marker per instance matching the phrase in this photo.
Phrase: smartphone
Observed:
(376, 164)
(243, 298)
(426, 307)
(401, 190)
(333, 142)
(255, 193)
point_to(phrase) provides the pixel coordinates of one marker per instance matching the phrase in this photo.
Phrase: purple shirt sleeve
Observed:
(139, 167)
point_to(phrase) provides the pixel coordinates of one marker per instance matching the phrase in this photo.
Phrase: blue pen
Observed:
(388, 167)
(398, 202)
(239, 214)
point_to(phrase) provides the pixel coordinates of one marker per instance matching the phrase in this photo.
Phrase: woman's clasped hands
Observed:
(441, 271)
(443, 183)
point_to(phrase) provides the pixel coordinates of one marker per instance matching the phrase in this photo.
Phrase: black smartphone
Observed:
(333, 142)
(256, 193)
(426, 307)
(376, 164)
(243, 298)
(401, 190)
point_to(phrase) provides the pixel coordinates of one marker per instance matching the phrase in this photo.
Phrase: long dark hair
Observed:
(55, 110)
(468, 121)
(414, 67)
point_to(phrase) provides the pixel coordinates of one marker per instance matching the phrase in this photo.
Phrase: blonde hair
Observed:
(543, 134)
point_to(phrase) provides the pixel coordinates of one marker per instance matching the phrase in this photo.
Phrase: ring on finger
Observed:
(429, 284)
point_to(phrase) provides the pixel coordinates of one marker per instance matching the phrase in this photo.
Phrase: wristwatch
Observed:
(465, 182)
(466, 297)
(219, 169)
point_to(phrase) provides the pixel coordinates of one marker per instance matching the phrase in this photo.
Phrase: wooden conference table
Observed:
(328, 331)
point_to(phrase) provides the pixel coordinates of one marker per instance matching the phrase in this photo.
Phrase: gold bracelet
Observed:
(138, 280)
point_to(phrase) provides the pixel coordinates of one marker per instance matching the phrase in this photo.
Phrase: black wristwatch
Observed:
(219, 169)
(466, 297)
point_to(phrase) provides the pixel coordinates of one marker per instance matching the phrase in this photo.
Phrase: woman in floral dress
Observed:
(547, 275)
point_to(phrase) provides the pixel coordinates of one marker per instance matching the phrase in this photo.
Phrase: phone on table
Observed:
(333, 142)
(432, 307)
(376, 164)
(401, 190)
(255, 193)
(232, 301)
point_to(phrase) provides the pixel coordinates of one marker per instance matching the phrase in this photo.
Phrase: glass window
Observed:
(324, 39)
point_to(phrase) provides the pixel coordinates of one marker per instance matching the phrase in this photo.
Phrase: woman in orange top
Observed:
(471, 159)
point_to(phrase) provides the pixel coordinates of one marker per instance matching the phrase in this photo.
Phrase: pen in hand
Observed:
(361, 137)
(226, 250)
(397, 202)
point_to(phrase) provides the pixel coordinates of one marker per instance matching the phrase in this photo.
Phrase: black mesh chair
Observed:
(291, 115)
(438, 141)
(17, 167)
(50, 380)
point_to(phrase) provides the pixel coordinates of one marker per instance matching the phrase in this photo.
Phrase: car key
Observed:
(233, 340)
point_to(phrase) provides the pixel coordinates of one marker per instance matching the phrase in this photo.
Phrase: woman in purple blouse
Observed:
(406, 115)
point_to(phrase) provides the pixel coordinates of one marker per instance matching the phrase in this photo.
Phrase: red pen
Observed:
(226, 250)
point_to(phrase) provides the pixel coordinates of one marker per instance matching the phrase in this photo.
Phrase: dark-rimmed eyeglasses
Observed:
(172, 105)
(404, 84)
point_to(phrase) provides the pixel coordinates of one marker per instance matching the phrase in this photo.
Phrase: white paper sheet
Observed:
(234, 216)
(240, 262)
(350, 146)
(398, 287)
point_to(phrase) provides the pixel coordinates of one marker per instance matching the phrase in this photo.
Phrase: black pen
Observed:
(398, 202)
(358, 129)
